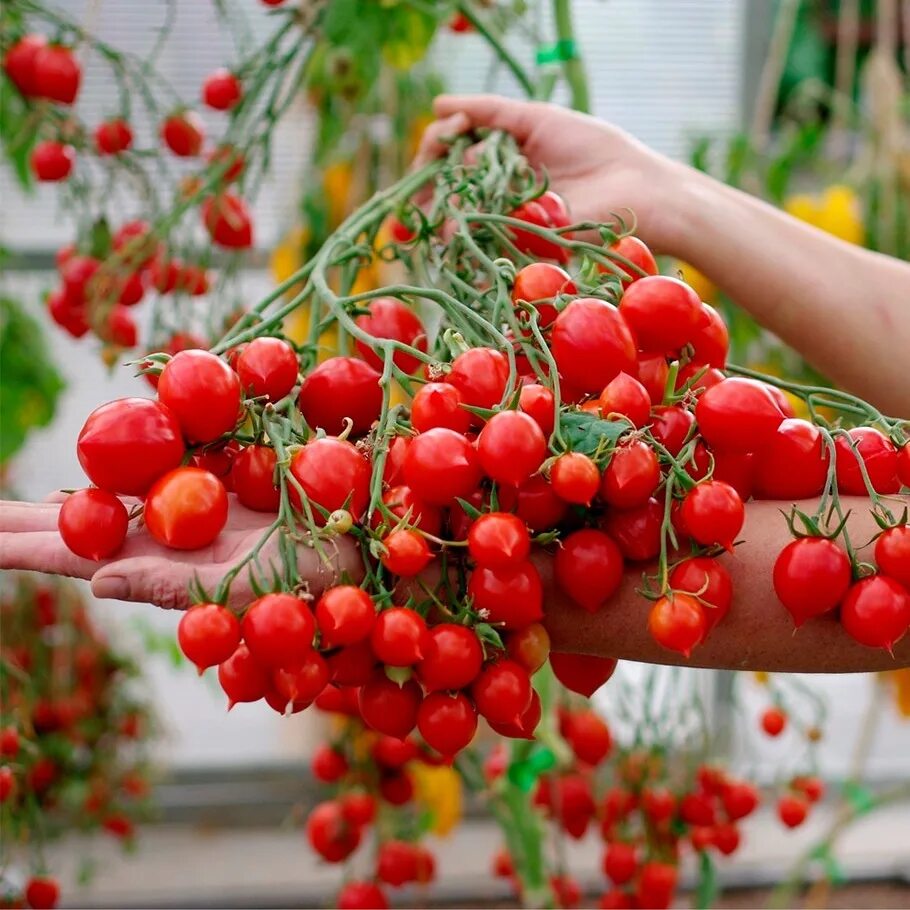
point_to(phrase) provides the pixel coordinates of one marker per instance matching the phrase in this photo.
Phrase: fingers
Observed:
(28, 516)
(157, 580)
(516, 117)
(433, 142)
(42, 551)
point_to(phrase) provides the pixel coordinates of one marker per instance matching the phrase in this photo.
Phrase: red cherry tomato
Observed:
(879, 455)
(539, 282)
(632, 475)
(407, 553)
(792, 810)
(499, 540)
(656, 885)
(399, 637)
(575, 478)
(736, 469)
(663, 312)
(538, 402)
(221, 90)
(389, 707)
(626, 397)
(333, 474)
(447, 722)
(620, 862)
(57, 73)
(242, 678)
(438, 404)
(402, 503)
(876, 612)
(253, 478)
(52, 161)
(208, 634)
(811, 577)
(671, 426)
(19, 63)
(892, 553)
(93, 523)
(512, 596)
(481, 376)
(183, 134)
(230, 158)
(653, 372)
(228, 221)
(582, 673)
(339, 388)
(452, 659)
(903, 465)
(278, 629)
(299, 685)
(126, 445)
(330, 834)
(389, 318)
(535, 503)
(502, 692)
(638, 254)
(678, 622)
(186, 509)
(267, 367)
(708, 581)
(511, 447)
(713, 513)
(637, 531)
(345, 615)
(711, 341)
(441, 465)
(42, 893)
(795, 463)
(547, 211)
(740, 415)
(113, 136)
(529, 646)
(588, 567)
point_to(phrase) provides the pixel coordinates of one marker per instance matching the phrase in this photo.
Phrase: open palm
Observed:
(147, 572)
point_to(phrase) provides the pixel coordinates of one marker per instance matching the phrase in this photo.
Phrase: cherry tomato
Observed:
(333, 474)
(113, 136)
(202, 392)
(452, 659)
(407, 553)
(658, 803)
(208, 634)
(892, 553)
(193, 279)
(339, 388)
(792, 810)
(547, 211)
(183, 134)
(330, 834)
(345, 614)
(637, 252)
(228, 221)
(402, 503)
(811, 577)
(626, 397)
(57, 73)
(738, 414)
(267, 368)
(499, 540)
(592, 344)
(736, 469)
(903, 465)
(538, 402)
(397, 863)
(773, 721)
(529, 646)
(481, 376)
(72, 318)
(794, 465)
(538, 282)
(588, 736)
(575, 478)
(739, 800)
(221, 90)
(353, 665)
(328, 765)
(126, 445)
(253, 478)
(535, 503)
(512, 596)
(663, 312)
(230, 158)
(713, 513)
(637, 531)
(678, 622)
(447, 722)
(879, 456)
(52, 161)
(632, 475)
(93, 523)
(19, 63)
(698, 377)
(278, 629)
(711, 341)
(355, 895)
(581, 673)
(671, 426)
(42, 893)
(242, 678)
(186, 509)
(708, 581)
(653, 372)
(502, 692)
(399, 637)
(441, 465)
(359, 808)
(588, 567)
(656, 885)
(438, 404)
(876, 611)
(620, 862)
(303, 681)
(388, 707)
(389, 318)
(511, 447)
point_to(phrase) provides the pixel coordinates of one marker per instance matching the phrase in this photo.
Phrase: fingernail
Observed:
(114, 587)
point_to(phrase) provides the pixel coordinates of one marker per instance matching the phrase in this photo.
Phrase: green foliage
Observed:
(18, 130)
(30, 383)
(590, 435)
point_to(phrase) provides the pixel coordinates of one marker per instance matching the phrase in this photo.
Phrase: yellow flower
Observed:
(701, 284)
(439, 789)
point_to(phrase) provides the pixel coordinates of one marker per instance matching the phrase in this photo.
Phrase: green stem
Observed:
(573, 68)
(495, 41)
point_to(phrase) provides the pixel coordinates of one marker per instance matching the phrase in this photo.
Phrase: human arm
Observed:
(844, 308)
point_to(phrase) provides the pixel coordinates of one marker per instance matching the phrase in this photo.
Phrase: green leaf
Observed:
(591, 435)
(18, 130)
(706, 891)
(408, 33)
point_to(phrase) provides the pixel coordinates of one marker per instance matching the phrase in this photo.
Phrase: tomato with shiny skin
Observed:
(879, 456)
(632, 475)
(707, 580)
(499, 540)
(638, 254)
(330, 834)
(739, 414)
(663, 312)
(620, 862)
(811, 576)
(538, 282)
(892, 553)
(481, 376)
(535, 503)
(656, 885)
(653, 371)
(582, 673)
(186, 508)
(355, 895)
(42, 893)
(113, 136)
(438, 404)
(671, 426)
(202, 392)
(57, 73)
(407, 553)
(626, 397)
(588, 735)
(399, 637)
(328, 765)
(352, 665)
(183, 133)
(267, 368)
(903, 465)
(678, 622)
(876, 611)
(52, 161)
(303, 681)
(333, 474)
(19, 63)
(93, 523)
(278, 629)
(345, 614)
(253, 478)
(549, 211)
(524, 726)
(447, 722)
(452, 659)
(794, 465)
(511, 447)
(228, 221)
(441, 465)
(512, 596)
(221, 90)
(588, 567)
(127, 444)
(502, 691)
(208, 634)
(401, 502)
(592, 343)
(713, 513)
(339, 388)
(698, 377)
(242, 678)
(388, 707)
(538, 402)
(529, 646)
(737, 469)
(387, 318)
(636, 531)
(711, 341)
(575, 478)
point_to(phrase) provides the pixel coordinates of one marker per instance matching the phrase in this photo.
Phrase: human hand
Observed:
(147, 572)
(598, 169)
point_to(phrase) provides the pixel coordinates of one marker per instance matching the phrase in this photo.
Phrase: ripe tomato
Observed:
(711, 341)
(438, 404)
(113, 136)
(186, 508)
(535, 503)
(359, 808)
(773, 721)
(9, 742)
(328, 765)
(93, 523)
(452, 658)
(713, 513)
(499, 540)
(401, 502)
(663, 312)
(253, 478)
(339, 388)
(876, 611)
(637, 252)
(481, 376)
(739, 800)
(529, 646)
(636, 531)
(653, 372)
(345, 614)
(588, 736)
(267, 368)
(502, 692)
(592, 343)
(892, 553)
(671, 426)
(52, 161)
(879, 456)
(740, 415)
(581, 673)
(626, 397)
(242, 678)
(538, 282)
(632, 475)
(795, 463)
(588, 567)
(278, 629)
(447, 722)
(389, 707)
(228, 221)
(400, 637)
(70, 317)
(575, 478)
(708, 581)
(208, 634)
(698, 377)
(903, 465)
(538, 402)
(656, 885)
(230, 158)
(512, 596)
(792, 810)
(353, 665)
(355, 895)
(221, 90)
(120, 329)
(441, 465)
(330, 834)
(678, 622)
(620, 862)
(547, 211)
(389, 318)
(19, 63)
(407, 553)
(303, 681)
(42, 893)
(194, 280)
(811, 577)
(183, 133)
(56, 73)
(333, 474)
(737, 469)
(164, 274)
(126, 445)
(658, 803)
(511, 447)
(202, 392)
